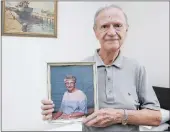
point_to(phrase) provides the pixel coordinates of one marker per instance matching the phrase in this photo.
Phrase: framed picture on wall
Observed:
(29, 18)
(72, 86)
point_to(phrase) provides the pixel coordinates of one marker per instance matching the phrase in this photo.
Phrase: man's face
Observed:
(111, 29)
(70, 84)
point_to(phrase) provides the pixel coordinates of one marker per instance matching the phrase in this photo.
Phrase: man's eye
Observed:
(104, 26)
(118, 25)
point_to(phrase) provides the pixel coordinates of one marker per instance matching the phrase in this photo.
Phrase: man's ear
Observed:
(127, 28)
(94, 29)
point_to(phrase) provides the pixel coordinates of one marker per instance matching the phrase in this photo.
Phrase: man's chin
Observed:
(112, 48)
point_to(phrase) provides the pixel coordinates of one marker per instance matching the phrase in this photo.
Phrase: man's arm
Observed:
(141, 117)
(144, 117)
(108, 116)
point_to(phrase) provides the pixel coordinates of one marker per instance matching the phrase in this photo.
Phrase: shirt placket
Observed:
(109, 84)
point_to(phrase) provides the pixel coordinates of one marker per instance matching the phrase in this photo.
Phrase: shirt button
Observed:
(109, 78)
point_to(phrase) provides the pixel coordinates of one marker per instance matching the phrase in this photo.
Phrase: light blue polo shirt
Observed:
(123, 85)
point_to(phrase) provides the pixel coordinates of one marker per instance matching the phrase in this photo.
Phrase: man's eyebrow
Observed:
(116, 22)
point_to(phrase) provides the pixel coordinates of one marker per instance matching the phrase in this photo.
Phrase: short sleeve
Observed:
(83, 106)
(61, 107)
(147, 96)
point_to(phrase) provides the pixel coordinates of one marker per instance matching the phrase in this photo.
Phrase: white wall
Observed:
(24, 59)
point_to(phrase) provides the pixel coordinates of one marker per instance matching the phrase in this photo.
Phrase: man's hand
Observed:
(47, 109)
(104, 117)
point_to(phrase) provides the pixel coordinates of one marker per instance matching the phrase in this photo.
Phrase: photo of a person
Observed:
(74, 101)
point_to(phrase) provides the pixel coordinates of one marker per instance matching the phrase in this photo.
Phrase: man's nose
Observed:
(111, 31)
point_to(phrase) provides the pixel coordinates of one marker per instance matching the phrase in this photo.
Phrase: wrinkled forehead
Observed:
(111, 15)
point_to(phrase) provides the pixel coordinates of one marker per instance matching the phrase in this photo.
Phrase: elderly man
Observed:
(125, 98)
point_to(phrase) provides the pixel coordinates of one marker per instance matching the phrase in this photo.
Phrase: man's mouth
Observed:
(112, 39)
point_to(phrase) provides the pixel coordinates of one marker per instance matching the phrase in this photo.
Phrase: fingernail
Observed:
(84, 120)
(49, 116)
(87, 124)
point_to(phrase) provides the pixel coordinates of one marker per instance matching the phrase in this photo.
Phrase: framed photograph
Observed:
(29, 18)
(72, 86)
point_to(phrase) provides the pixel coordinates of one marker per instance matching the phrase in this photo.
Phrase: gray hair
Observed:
(107, 7)
(70, 77)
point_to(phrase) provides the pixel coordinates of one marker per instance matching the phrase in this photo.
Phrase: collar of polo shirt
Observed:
(118, 62)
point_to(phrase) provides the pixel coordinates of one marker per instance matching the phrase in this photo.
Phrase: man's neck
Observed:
(108, 57)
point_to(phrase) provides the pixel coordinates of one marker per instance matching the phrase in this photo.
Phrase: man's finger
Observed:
(46, 102)
(104, 122)
(93, 116)
(90, 117)
(46, 112)
(94, 121)
(47, 117)
(46, 107)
